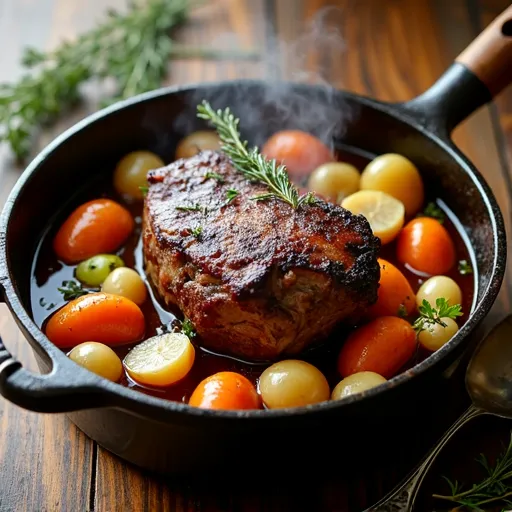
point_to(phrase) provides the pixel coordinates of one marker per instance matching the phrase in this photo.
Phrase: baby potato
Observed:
(127, 283)
(334, 180)
(439, 287)
(131, 173)
(292, 383)
(96, 269)
(384, 213)
(356, 383)
(196, 142)
(398, 177)
(99, 359)
(161, 360)
(435, 336)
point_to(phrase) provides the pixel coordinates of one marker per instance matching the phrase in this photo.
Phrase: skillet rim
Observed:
(154, 406)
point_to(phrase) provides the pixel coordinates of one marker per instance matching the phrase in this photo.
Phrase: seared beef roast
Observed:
(258, 279)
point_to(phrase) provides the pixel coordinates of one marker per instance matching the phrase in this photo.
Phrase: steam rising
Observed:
(282, 101)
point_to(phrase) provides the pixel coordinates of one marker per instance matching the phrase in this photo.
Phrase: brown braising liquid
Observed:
(49, 274)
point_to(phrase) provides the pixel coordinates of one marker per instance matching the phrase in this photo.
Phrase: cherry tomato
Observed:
(301, 152)
(425, 245)
(395, 295)
(382, 346)
(96, 227)
(102, 317)
(225, 390)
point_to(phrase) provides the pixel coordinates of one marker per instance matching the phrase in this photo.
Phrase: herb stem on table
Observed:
(496, 487)
(250, 162)
(132, 48)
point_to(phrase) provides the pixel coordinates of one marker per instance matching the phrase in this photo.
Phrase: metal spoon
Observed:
(489, 384)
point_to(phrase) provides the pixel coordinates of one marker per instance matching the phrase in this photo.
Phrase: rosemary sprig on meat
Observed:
(132, 48)
(250, 162)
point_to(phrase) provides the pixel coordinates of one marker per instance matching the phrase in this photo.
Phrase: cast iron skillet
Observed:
(169, 436)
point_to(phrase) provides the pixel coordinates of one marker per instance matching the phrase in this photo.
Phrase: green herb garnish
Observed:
(132, 49)
(250, 162)
(402, 311)
(430, 316)
(71, 290)
(231, 194)
(495, 489)
(191, 208)
(187, 328)
(196, 232)
(215, 176)
(144, 191)
(432, 210)
(465, 268)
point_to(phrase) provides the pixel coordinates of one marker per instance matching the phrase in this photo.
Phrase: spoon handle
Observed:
(401, 499)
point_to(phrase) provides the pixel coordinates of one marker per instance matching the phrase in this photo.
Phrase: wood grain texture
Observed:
(38, 453)
(392, 50)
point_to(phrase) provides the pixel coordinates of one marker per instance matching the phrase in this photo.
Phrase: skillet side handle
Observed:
(59, 391)
(478, 74)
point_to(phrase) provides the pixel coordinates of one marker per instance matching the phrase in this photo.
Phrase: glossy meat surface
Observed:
(258, 279)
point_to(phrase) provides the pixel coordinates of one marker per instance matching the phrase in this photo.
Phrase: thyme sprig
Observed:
(71, 290)
(250, 162)
(430, 316)
(494, 489)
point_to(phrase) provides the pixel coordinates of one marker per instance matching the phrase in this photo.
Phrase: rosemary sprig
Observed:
(71, 290)
(495, 488)
(133, 49)
(250, 162)
(430, 316)
(432, 210)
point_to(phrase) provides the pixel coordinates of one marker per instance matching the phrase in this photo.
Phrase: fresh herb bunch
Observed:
(71, 290)
(250, 162)
(430, 316)
(132, 48)
(494, 489)
(433, 211)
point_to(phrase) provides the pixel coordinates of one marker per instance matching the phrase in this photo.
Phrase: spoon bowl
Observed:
(489, 384)
(489, 373)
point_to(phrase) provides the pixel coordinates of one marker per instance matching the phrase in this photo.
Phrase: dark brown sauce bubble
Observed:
(49, 274)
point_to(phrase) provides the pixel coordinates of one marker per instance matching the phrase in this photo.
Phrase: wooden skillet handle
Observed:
(489, 56)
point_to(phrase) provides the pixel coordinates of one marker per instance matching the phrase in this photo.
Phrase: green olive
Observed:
(96, 269)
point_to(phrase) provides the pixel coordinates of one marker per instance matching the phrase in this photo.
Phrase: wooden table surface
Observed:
(392, 50)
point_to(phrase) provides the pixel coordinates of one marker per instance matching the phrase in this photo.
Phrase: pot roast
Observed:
(257, 279)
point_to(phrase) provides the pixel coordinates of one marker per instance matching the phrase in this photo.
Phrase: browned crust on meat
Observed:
(261, 265)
